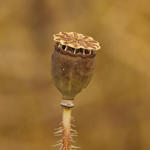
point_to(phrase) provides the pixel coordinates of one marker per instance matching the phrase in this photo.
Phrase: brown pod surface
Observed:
(72, 66)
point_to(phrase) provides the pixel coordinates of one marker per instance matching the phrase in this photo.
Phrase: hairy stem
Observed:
(66, 118)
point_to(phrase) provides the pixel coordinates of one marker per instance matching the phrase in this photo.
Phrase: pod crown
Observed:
(76, 40)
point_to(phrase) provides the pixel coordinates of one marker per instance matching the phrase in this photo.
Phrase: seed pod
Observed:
(73, 62)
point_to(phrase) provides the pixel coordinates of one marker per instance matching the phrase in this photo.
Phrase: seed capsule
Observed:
(73, 62)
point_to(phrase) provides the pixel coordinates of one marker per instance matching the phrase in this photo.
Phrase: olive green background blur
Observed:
(113, 112)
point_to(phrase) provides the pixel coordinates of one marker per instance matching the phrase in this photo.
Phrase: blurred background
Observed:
(113, 112)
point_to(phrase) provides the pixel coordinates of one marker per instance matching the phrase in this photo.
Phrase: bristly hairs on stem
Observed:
(59, 132)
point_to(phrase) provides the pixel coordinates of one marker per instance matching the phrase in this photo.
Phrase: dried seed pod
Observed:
(73, 62)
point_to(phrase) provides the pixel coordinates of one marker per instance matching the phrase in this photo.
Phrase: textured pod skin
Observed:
(71, 73)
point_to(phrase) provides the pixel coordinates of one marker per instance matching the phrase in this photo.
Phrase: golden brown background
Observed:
(113, 113)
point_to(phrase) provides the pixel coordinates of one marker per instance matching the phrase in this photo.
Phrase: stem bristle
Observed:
(59, 132)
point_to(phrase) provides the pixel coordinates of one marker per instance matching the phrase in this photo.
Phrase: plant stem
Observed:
(66, 118)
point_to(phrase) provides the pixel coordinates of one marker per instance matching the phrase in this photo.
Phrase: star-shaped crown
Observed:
(76, 40)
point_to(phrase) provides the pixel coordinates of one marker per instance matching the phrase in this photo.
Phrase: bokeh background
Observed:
(113, 112)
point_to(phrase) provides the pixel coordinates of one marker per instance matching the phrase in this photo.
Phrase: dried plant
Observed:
(72, 67)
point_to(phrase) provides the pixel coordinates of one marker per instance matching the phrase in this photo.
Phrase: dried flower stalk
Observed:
(72, 67)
